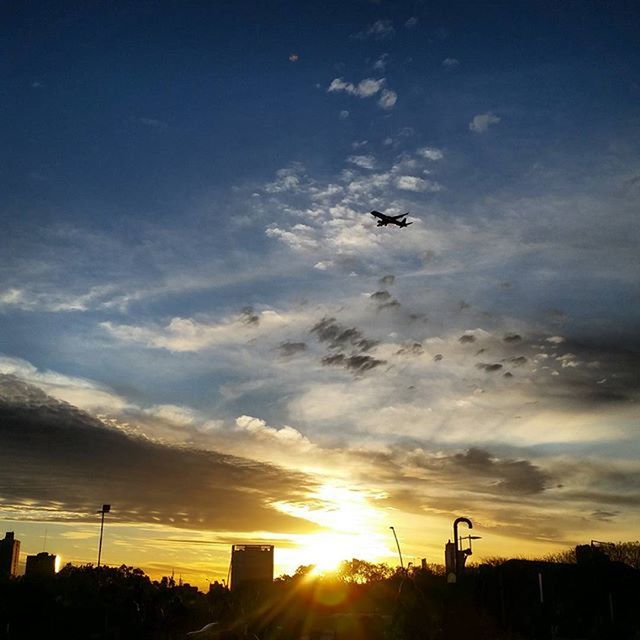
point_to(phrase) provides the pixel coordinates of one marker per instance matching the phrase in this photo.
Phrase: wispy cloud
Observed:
(430, 153)
(378, 30)
(387, 99)
(365, 89)
(414, 183)
(364, 162)
(481, 122)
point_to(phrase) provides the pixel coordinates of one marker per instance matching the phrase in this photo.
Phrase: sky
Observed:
(201, 325)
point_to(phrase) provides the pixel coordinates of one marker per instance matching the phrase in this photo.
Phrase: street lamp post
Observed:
(398, 545)
(105, 509)
(457, 568)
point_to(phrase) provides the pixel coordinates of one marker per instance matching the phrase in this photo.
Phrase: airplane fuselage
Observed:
(384, 220)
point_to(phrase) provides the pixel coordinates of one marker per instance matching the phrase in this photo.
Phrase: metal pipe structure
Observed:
(398, 545)
(456, 522)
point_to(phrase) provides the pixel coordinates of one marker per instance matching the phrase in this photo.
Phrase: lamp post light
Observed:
(105, 509)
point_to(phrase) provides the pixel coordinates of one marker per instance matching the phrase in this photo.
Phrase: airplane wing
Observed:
(377, 214)
(402, 215)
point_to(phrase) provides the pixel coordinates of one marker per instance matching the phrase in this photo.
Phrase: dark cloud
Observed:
(462, 305)
(603, 515)
(590, 372)
(249, 316)
(489, 368)
(514, 476)
(512, 337)
(356, 363)
(489, 473)
(55, 457)
(384, 300)
(348, 345)
(518, 361)
(508, 374)
(288, 349)
(467, 338)
(438, 357)
(414, 349)
(380, 296)
(337, 336)
(387, 281)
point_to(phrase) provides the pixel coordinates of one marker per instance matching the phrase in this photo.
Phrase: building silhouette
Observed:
(251, 565)
(9, 555)
(41, 565)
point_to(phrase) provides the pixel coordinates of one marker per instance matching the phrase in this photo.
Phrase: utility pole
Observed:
(105, 509)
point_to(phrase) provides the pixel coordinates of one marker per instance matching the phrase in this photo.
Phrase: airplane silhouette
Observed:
(384, 220)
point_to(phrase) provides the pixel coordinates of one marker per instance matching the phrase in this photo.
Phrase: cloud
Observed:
(364, 162)
(289, 349)
(146, 482)
(381, 63)
(348, 346)
(357, 363)
(380, 296)
(411, 23)
(287, 179)
(384, 300)
(285, 436)
(512, 338)
(364, 89)
(337, 336)
(481, 122)
(489, 368)
(81, 392)
(379, 30)
(413, 183)
(343, 115)
(430, 153)
(249, 316)
(450, 63)
(294, 57)
(388, 99)
(387, 280)
(190, 334)
(517, 477)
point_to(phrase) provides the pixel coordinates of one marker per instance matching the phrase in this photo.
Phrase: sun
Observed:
(353, 528)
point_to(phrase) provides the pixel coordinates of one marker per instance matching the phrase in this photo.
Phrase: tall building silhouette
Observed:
(251, 565)
(41, 565)
(9, 555)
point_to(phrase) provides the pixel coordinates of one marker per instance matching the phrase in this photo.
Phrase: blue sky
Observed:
(187, 257)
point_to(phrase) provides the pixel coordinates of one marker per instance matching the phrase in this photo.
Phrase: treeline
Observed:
(563, 595)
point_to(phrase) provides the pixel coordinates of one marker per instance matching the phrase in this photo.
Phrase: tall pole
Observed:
(105, 509)
(398, 545)
(101, 530)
